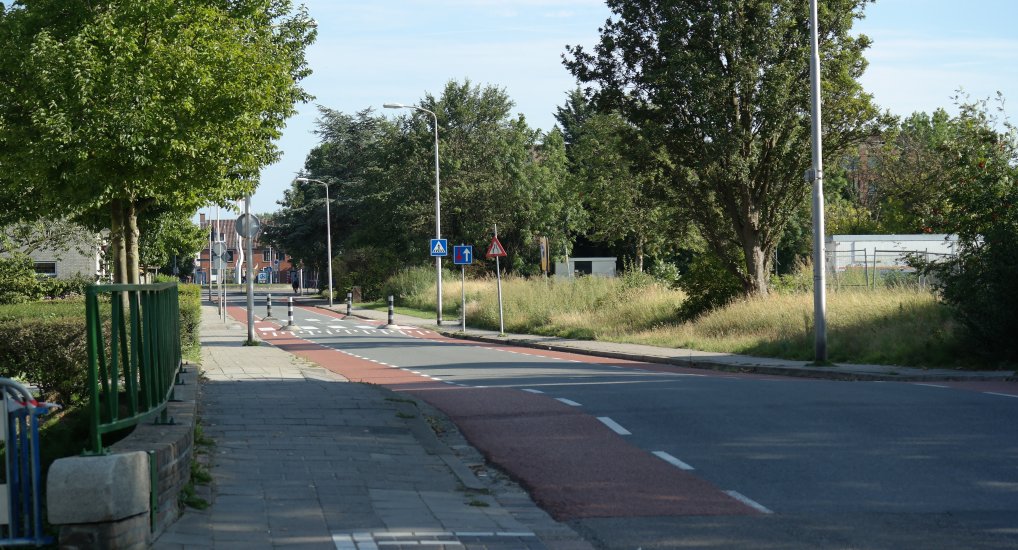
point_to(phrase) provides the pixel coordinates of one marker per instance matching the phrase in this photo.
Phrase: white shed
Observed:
(604, 267)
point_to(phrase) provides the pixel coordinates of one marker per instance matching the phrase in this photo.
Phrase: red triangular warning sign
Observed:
(495, 249)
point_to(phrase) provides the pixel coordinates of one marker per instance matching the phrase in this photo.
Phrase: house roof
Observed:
(228, 230)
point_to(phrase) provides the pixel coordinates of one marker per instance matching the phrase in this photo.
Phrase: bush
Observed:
(408, 283)
(981, 193)
(708, 286)
(189, 298)
(367, 268)
(18, 280)
(49, 352)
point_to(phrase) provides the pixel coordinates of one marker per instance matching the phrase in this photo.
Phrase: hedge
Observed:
(44, 343)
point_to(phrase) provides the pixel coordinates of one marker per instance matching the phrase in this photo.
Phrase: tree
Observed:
(979, 194)
(722, 85)
(171, 241)
(621, 177)
(54, 235)
(910, 169)
(494, 169)
(118, 107)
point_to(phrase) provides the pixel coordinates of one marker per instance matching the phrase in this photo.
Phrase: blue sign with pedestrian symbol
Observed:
(439, 247)
(463, 254)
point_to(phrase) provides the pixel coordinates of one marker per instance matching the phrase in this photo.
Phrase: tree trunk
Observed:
(756, 265)
(117, 250)
(131, 238)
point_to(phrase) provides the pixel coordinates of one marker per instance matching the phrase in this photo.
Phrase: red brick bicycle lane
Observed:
(573, 466)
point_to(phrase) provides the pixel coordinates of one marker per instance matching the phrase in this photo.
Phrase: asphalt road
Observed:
(649, 456)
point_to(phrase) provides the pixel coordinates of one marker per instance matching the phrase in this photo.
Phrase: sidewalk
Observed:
(305, 459)
(693, 358)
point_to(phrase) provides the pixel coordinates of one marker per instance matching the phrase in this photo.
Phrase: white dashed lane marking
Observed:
(614, 426)
(749, 502)
(672, 460)
(569, 402)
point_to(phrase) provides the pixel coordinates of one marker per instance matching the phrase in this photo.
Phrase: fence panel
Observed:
(131, 377)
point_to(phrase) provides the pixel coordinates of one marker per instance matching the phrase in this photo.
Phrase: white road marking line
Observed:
(528, 390)
(1000, 394)
(672, 460)
(266, 329)
(336, 326)
(313, 320)
(348, 331)
(929, 385)
(365, 326)
(614, 426)
(569, 402)
(749, 502)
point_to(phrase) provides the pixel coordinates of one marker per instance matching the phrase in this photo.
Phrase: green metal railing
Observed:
(133, 354)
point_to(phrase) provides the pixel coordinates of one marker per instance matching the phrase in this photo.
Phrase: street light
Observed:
(438, 208)
(328, 230)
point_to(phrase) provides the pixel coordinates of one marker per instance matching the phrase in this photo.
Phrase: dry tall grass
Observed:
(905, 326)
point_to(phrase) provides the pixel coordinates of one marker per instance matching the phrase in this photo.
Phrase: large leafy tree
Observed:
(494, 169)
(723, 86)
(116, 107)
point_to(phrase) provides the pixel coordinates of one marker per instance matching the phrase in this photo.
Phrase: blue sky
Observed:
(369, 53)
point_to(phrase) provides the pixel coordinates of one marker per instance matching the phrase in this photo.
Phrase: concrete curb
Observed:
(824, 373)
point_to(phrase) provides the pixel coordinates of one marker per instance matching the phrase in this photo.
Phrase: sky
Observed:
(396, 51)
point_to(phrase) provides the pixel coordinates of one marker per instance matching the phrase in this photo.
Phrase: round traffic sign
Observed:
(219, 248)
(248, 225)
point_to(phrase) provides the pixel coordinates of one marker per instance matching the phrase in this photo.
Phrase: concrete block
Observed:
(94, 489)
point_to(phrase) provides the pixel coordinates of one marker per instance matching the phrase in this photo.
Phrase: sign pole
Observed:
(463, 291)
(498, 279)
(250, 273)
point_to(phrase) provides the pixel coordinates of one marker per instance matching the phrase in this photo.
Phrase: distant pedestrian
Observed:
(296, 285)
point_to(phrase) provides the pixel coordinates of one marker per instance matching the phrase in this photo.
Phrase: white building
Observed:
(604, 267)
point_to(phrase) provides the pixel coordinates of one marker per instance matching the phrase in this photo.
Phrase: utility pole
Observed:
(816, 177)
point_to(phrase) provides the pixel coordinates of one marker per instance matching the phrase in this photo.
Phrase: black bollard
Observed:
(349, 302)
(268, 309)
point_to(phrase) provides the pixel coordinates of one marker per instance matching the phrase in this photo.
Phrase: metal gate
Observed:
(21, 489)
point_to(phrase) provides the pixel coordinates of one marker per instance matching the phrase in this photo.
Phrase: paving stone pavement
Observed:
(303, 458)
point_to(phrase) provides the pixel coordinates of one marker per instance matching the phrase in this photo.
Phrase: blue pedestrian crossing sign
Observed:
(439, 247)
(463, 254)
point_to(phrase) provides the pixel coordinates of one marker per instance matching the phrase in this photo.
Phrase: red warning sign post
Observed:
(495, 249)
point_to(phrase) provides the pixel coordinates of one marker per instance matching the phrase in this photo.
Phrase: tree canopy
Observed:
(723, 86)
(494, 169)
(112, 108)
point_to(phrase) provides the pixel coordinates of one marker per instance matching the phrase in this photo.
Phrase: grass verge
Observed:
(887, 325)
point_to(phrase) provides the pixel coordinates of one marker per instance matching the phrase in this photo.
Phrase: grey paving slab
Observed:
(301, 454)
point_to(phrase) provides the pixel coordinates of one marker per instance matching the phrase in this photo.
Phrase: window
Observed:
(266, 256)
(48, 269)
(583, 267)
(229, 255)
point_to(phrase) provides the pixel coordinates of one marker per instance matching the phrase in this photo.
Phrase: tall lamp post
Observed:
(438, 208)
(328, 231)
(816, 177)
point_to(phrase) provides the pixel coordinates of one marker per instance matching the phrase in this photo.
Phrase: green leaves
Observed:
(721, 86)
(150, 99)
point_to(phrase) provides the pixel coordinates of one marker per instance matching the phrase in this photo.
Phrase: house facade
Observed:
(270, 265)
